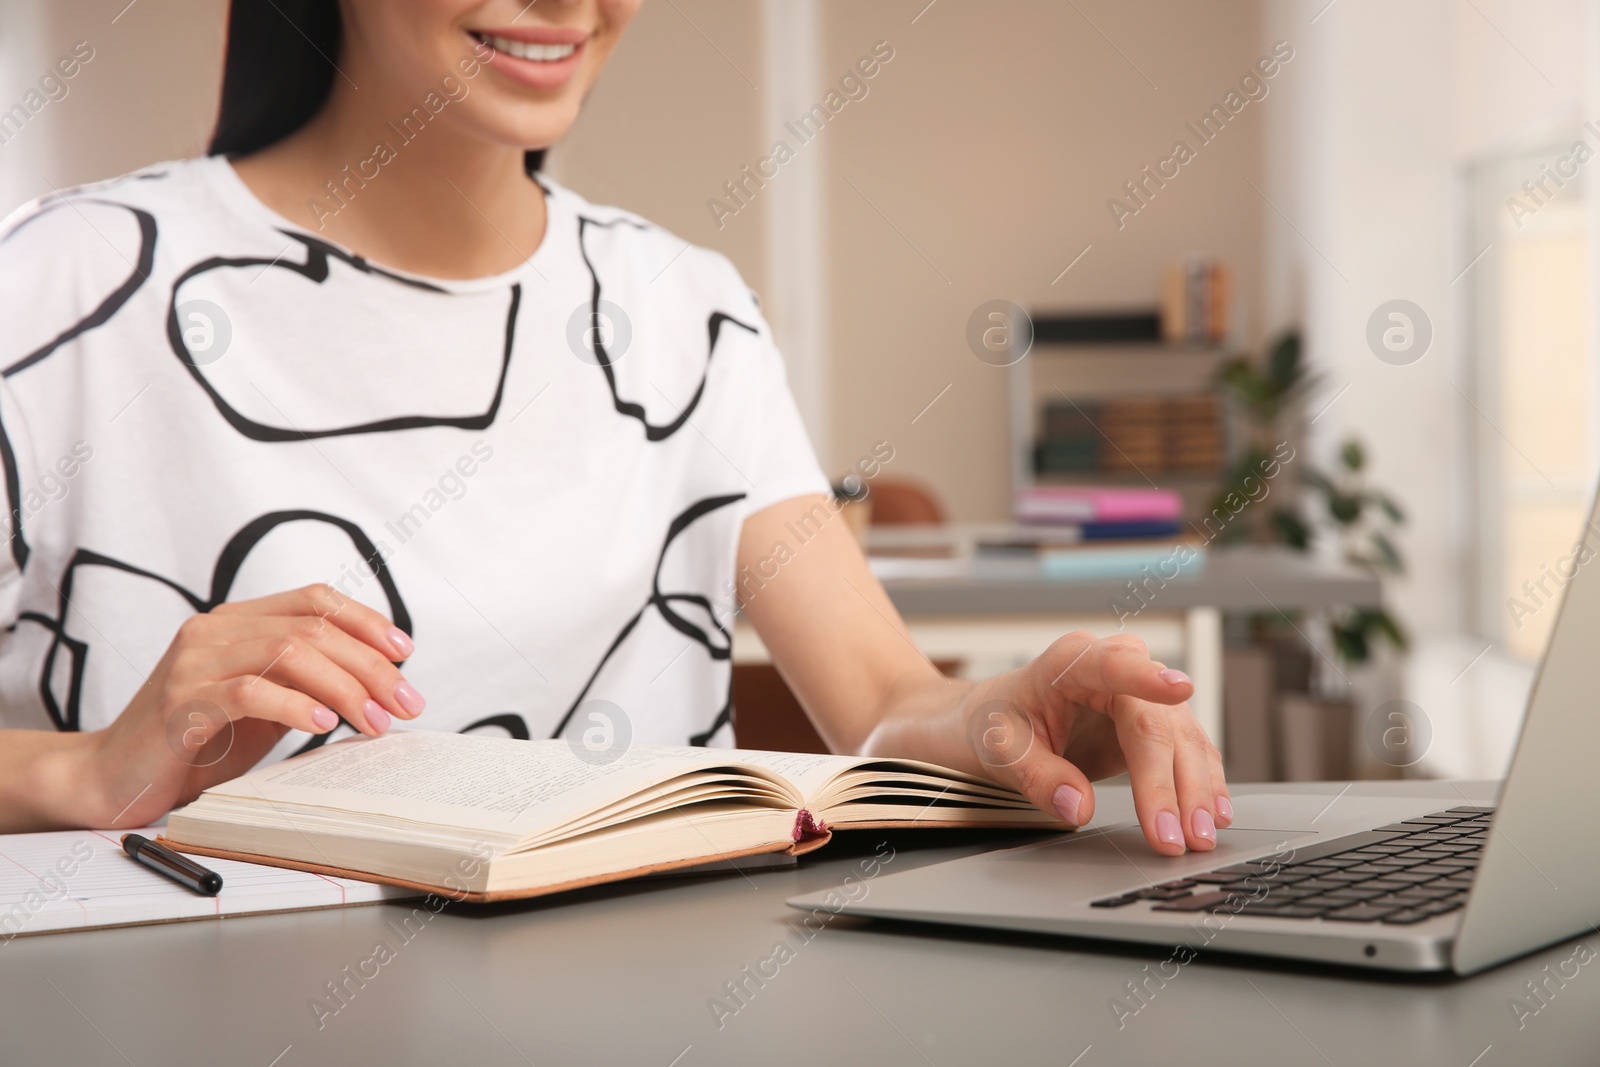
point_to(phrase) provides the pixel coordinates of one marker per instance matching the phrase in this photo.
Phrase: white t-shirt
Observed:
(204, 402)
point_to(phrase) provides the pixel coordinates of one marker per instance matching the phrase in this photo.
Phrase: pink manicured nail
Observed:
(409, 698)
(402, 644)
(377, 718)
(1224, 809)
(324, 718)
(1068, 802)
(1202, 825)
(1173, 676)
(1168, 832)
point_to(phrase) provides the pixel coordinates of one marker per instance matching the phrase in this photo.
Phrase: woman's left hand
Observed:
(1089, 708)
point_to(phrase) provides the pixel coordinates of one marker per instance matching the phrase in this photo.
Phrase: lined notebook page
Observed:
(81, 879)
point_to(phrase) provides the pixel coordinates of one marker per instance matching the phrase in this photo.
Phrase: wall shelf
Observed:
(1084, 358)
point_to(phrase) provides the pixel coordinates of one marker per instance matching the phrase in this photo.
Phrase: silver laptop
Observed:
(1456, 880)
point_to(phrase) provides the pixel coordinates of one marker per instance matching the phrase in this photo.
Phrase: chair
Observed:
(766, 714)
(903, 503)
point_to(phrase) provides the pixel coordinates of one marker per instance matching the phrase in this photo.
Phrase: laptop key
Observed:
(1292, 913)
(1351, 896)
(1442, 868)
(1113, 902)
(1321, 849)
(1370, 870)
(1321, 884)
(1213, 878)
(1155, 892)
(1198, 902)
(1359, 913)
(1386, 885)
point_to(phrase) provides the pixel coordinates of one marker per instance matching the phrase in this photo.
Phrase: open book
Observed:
(484, 818)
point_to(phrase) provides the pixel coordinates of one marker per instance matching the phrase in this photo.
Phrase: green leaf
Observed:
(1246, 383)
(1387, 505)
(1351, 643)
(1292, 529)
(1344, 508)
(1387, 553)
(1284, 370)
(1386, 625)
(1319, 481)
(1352, 455)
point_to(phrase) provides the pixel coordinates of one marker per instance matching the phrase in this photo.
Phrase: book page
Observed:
(82, 879)
(817, 776)
(809, 772)
(459, 780)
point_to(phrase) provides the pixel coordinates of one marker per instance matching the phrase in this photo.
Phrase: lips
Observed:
(542, 57)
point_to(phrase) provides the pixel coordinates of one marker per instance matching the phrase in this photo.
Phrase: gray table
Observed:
(625, 974)
(1244, 578)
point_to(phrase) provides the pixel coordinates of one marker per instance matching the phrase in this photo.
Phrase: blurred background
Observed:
(1374, 254)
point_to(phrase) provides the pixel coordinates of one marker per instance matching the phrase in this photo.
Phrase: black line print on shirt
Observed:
(512, 723)
(652, 431)
(98, 317)
(316, 269)
(663, 602)
(66, 713)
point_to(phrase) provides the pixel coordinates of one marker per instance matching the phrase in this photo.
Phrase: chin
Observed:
(527, 126)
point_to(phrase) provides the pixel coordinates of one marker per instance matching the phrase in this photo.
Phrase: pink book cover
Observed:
(1083, 504)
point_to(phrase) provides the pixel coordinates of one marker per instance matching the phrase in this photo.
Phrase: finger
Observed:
(301, 666)
(253, 697)
(1091, 669)
(1014, 755)
(351, 616)
(1219, 790)
(1192, 776)
(1146, 735)
(381, 678)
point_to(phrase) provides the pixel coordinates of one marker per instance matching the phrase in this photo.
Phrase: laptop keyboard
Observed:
(1397, 874)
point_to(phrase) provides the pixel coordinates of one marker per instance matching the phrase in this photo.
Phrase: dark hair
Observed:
(278, 71)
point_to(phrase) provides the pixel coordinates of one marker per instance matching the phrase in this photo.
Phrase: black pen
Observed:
(180, 869)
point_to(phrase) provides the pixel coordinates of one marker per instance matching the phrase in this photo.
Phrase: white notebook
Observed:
(82, 880)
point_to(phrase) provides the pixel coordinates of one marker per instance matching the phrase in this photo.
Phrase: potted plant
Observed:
(1313, 726)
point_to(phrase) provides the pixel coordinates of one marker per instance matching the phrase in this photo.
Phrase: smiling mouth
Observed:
(537, 53)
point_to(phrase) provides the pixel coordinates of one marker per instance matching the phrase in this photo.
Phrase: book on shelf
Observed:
(1091, 504)
(1061, 557)
(1147, 434)
(1196, 301)
(1166, 560)
(491, 818)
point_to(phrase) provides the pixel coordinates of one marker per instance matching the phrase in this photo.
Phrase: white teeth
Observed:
(541, 53)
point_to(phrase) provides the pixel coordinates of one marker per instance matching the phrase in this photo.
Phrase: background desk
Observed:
(997, 617)
(624, 974)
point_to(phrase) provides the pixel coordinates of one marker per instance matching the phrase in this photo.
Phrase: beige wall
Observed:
(148, 94)
(987, 148)
(991, 144)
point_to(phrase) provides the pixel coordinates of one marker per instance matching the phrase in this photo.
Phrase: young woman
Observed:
(360, 407)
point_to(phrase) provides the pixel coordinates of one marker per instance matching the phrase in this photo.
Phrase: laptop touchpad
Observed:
(1124, 846)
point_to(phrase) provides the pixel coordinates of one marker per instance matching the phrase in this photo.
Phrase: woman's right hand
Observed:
(231, 684)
